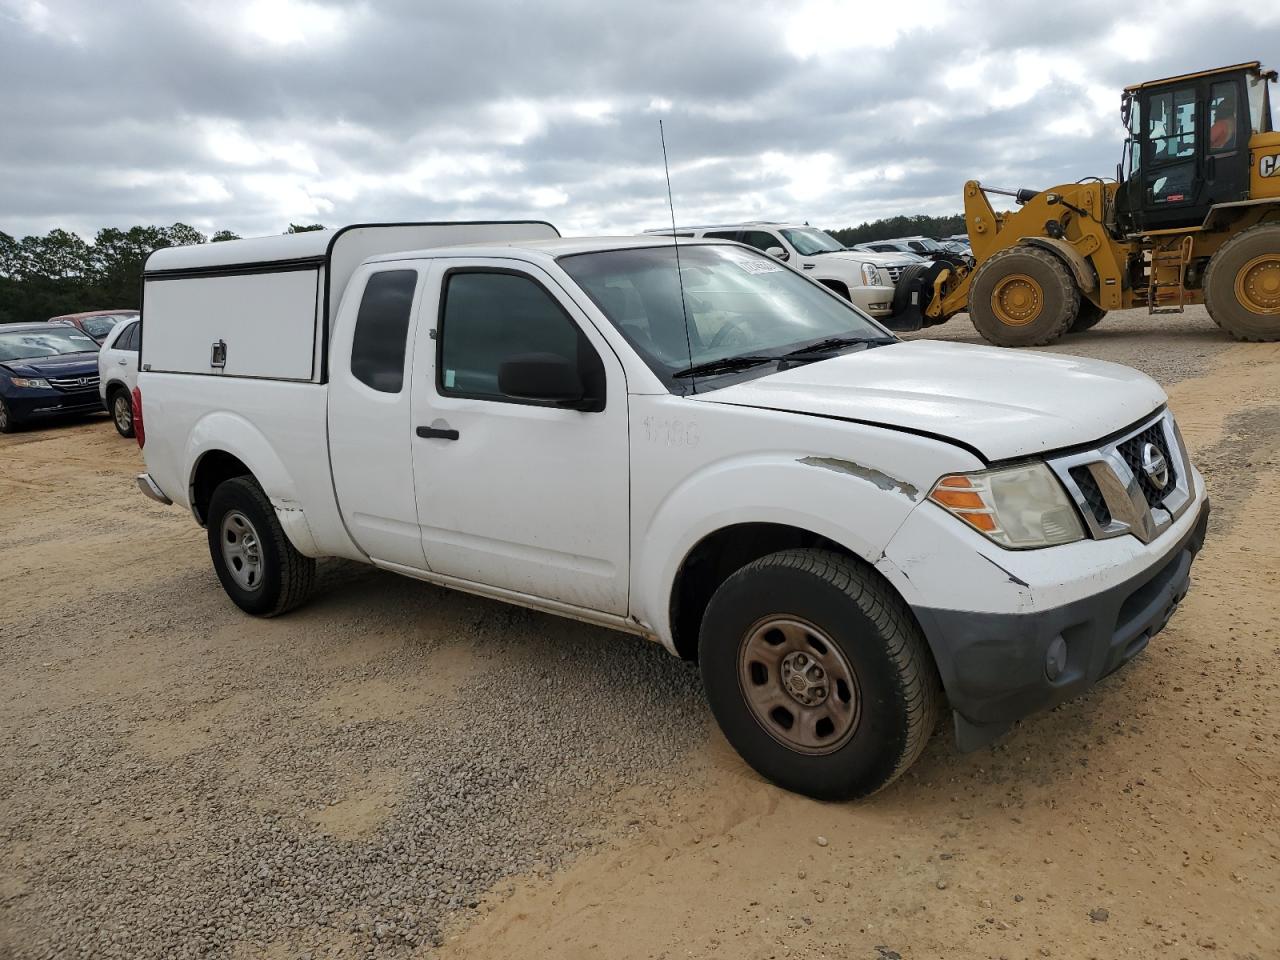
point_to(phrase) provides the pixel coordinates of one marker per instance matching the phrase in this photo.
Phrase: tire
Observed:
(1088, 317)
(120, 406)
(8, 424)
(1040, 296)
(876, 726)
(925, 273)
(260, 569)
(1247, 266)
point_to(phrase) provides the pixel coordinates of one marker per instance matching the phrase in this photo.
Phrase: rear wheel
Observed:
(1023, 297)
(1242, 285)
(818, 674)
(257, 565)
(1089, 316)
(122, 412)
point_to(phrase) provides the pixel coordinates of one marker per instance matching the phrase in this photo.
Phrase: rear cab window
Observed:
(382, 330)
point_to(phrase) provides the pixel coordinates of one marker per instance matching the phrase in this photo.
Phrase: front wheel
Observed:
(7, 423)
(258, 567)
(818, 674)
(1023, 297)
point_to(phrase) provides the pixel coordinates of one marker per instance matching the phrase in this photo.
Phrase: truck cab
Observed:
(691, 443)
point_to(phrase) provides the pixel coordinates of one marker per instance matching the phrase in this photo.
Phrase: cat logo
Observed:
(1269, 166)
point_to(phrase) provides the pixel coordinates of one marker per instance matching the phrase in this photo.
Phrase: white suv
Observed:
(865, 279)
(118, 373)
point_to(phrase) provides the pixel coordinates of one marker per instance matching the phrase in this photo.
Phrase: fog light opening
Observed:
(1055, 658)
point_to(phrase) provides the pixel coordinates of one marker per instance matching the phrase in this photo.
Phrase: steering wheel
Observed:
(728, 330)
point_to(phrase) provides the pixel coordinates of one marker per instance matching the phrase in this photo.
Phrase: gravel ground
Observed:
(397, 770)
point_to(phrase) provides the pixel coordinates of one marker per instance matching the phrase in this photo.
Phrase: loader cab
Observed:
(1188, 145)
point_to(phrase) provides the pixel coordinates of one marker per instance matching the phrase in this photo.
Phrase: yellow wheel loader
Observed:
(1193, 216)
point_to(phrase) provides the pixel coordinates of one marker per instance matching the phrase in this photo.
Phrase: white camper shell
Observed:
(263, 307)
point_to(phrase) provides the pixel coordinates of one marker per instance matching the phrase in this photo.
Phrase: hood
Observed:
(64, 365)
(1003, 403)
(865, 256)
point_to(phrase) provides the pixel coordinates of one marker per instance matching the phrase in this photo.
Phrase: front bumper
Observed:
(36, 404)
(993, 665)
(877, 301)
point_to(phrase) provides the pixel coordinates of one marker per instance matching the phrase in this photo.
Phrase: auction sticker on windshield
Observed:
(751, 263)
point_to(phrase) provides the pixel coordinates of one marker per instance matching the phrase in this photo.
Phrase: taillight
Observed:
(138, 430)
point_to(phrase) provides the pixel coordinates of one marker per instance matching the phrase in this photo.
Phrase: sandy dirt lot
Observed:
(396, 770)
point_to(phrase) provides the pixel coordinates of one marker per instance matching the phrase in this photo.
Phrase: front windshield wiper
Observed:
(724, 365)
(831, 344)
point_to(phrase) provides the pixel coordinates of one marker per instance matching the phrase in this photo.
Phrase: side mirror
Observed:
(778, 253)
(543, 377)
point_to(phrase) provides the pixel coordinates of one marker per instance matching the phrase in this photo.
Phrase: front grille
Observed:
(1093, 497)
(1131, 450)
(895, 272)
(75, 383)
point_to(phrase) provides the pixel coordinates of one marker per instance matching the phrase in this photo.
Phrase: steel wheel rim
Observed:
(1017, 300)
(798, 685)
(242, 550)
(123, 412)
(1258, 285)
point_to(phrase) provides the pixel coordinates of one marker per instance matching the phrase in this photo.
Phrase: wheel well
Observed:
(115, 386)
(835, 286)
(718, 556)
(213, 468)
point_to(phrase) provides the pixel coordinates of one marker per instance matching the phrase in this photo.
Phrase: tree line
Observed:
(901, 226)
(60, 272)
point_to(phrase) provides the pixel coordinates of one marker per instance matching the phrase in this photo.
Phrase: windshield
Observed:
(809, 241)
(32, 344)
(740, 303)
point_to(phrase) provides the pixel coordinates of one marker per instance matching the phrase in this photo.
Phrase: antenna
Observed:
(675, 242)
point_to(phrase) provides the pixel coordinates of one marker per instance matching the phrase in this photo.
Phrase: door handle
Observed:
(437, 433)
(122, 362)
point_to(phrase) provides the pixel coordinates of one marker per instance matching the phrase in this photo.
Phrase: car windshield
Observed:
(809, 241)
(741, 306)
(927, 243)
(99, 327)
(33, 344)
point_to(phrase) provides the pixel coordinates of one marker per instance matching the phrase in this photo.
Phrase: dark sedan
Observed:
(46, 370)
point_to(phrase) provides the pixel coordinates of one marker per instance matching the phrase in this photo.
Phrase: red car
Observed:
(96, 323)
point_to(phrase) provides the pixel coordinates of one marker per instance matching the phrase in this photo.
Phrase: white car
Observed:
(118, 373)
(697, 445)
(864, 278)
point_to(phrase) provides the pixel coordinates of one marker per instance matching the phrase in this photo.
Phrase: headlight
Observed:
(36, 382)
(870, 276)
(1017, 507)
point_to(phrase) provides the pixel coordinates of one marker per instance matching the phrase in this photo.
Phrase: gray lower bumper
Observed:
(993, 665)
(148, 487)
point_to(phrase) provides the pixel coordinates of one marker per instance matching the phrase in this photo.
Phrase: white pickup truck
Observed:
(699, 445)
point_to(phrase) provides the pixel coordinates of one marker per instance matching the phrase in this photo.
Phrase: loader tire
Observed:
(1242, 285)
(1023, 297)
(1090, 316)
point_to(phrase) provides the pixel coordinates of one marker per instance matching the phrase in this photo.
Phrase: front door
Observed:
(527, 496)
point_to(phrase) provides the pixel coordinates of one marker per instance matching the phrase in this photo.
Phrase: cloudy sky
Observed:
(250, 114)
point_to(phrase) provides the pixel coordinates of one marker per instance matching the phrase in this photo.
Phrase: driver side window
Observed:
(489, 317)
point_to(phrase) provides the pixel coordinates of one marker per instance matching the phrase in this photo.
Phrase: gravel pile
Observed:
(138, 856)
